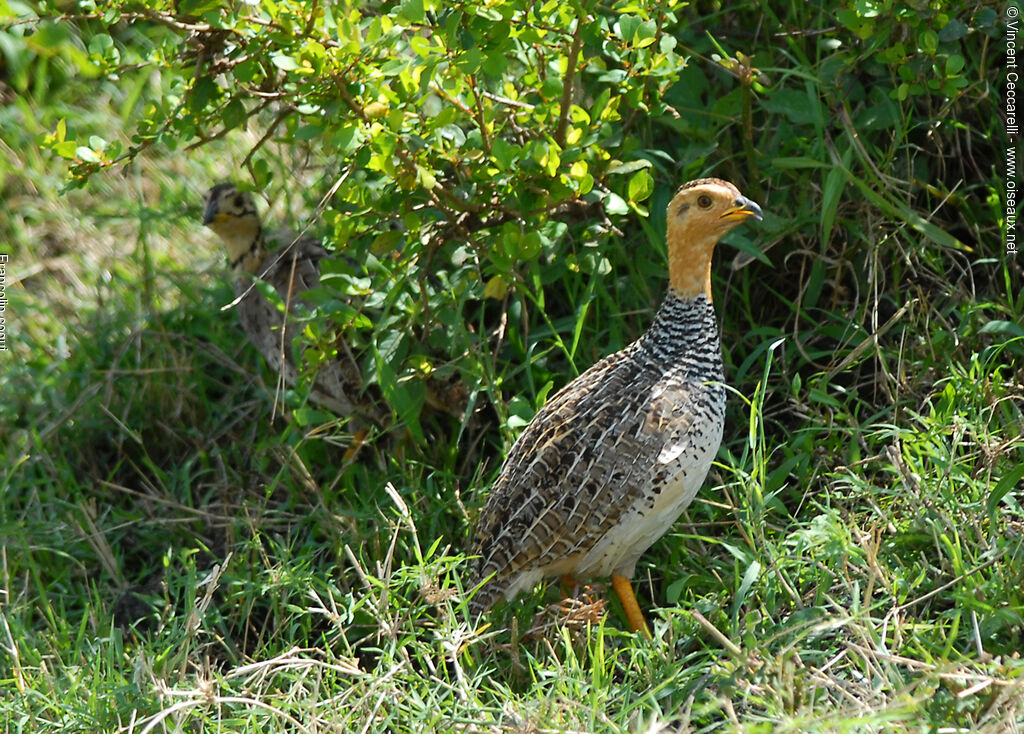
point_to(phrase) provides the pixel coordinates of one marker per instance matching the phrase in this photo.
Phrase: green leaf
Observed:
(308, 132)
(749, 577)
(641, 185)
(310, 416)
(530, 245)
(798, 162)
(627, 27)
(197, 7)
(622, 168)
(1009, 482)
(496, 288)
(66, 149)
(86, 154)
(346, 137)
(284, 62)
(615, 204)
(422, 47)
(928, 41)
(954, 30)
(1002, 327)
(100, 44)
(411, 11)
(392, 348)
(600, 103)
(488, 13)
(425, 178)
(986, 18)
(750, 248)
(551, 88)
(234, 114)
(832, 192)
(911, 217)
(248, 71)
(394, 67)
(504, 154)
(495, 64)
(469, 61)
(261, 172)
(797, 105)
(645, 34)
(202, 92)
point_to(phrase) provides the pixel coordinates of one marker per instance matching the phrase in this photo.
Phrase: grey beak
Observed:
(750, 207)
(211, 212)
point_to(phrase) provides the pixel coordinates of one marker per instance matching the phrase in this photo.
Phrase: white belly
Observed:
(652, 515)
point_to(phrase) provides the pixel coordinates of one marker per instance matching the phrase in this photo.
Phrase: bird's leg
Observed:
(624, 589)
(358, 441)
(570, 587)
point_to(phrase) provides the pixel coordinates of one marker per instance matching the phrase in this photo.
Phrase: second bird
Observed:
(292, 268)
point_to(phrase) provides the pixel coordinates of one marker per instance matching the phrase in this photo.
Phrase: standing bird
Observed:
(292, 268)
(606, 467)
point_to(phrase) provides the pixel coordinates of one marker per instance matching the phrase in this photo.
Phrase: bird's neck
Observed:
(685, 334)
(689, 262)
(246, 249)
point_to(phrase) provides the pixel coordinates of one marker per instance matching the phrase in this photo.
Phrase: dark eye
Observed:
(704, 201)
(239, 201)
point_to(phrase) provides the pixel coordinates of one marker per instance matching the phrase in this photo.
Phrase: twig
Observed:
(569, 84)
(281, 117)
(731, 647)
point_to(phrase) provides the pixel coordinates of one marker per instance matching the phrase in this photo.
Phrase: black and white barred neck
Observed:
(250, 259)
(684, 334)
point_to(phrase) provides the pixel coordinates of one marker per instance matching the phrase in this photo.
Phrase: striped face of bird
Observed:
(700, 214)
(231, 213)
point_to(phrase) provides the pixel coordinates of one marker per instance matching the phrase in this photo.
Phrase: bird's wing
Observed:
(294, 267)
(573, 472)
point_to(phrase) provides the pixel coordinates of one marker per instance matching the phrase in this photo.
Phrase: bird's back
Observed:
(293, 268)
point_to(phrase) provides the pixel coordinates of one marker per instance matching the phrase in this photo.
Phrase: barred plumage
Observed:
(292, 266)
(607, 465)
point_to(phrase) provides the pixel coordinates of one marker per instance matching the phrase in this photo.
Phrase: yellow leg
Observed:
(358, 441)
(625, 591)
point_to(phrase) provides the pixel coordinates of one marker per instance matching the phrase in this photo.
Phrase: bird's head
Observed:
(699, 215)
(231, 213)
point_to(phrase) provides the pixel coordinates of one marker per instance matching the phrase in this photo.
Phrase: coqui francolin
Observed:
(292, 267)
(610, 462)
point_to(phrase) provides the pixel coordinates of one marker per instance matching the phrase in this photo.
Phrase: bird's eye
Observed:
(239, 201)
(704, 201)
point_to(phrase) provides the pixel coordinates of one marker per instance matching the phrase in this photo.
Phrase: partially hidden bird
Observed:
(610, 462)
(291, 265)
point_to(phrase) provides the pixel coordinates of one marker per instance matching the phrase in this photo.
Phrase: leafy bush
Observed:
(486, 151)
(457, 144)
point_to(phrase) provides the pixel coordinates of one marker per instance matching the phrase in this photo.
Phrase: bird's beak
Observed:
(210, 215)
(743, 208)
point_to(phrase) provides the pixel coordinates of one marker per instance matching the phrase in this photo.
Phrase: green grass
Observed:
(176, 555)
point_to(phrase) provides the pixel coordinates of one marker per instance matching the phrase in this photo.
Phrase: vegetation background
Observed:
(184, 549)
